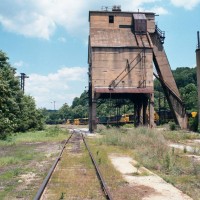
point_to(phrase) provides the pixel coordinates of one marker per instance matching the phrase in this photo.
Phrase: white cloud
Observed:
(126, 5)
(18, 64)
(185, 3)
(62, 39)
(137, 4)
(160, 10)
(37, 18)
(62, 86)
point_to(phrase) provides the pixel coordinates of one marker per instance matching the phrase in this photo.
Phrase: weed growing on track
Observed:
(150, 148)
(118, 187)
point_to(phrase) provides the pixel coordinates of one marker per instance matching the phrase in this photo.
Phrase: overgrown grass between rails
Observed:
(75, 177)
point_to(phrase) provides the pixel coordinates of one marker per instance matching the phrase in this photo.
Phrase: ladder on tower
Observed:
(128, 68)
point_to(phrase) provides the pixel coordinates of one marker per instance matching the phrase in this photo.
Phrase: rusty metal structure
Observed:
(122, 49)
(22, 77)
(198, 72)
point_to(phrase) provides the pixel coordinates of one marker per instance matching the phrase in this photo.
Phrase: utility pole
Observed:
(54, 105)
(22, 80)
(159, 108)
(198, 75)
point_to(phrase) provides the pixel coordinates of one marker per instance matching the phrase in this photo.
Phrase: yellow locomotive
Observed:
(114, 119)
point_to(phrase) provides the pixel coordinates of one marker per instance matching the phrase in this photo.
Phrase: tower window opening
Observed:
(111, 19)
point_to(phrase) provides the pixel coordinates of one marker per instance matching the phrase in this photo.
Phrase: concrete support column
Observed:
(151, 111)
(90, 119)
(145, 104)
(198, 76)
(93, 116)
(137, 113)
(141, 110)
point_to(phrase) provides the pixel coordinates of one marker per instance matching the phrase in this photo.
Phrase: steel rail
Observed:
(46, 180)
(102, 181)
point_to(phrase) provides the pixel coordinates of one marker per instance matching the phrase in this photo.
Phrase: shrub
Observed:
(172, 126)
(193, 124)
(53, 131)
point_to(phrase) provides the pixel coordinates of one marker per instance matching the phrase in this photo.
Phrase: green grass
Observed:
(180, 136)
(113, 178)
(150, 149)
(9, 160)
(151, 145)
(22, 153)
(9, 174)
(53, 133)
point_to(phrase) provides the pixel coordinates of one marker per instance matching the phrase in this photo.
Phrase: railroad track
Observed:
(54, 185)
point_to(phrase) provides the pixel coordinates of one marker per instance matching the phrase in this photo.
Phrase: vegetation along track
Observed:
(75, 173)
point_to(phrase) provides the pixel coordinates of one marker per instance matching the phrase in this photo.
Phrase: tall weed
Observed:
(9, 160)
(149, 145)
(53, 131)
(151, 150)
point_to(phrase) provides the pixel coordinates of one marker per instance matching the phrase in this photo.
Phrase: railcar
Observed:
(163, 116)
(83, 121)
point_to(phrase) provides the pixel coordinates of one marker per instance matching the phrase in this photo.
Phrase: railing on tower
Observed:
(161, 34)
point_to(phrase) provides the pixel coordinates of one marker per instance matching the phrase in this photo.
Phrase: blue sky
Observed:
(47, 40)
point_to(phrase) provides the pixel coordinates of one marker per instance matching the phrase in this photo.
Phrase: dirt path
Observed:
(162, 190)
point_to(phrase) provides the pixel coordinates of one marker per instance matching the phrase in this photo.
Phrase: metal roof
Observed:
(117, 38)
(139, 16)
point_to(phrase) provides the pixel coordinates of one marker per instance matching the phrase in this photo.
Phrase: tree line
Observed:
(17, 111)
(186, 80)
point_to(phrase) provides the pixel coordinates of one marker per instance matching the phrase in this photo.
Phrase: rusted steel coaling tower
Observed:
(122, 49)
(198, 72)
